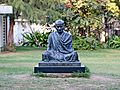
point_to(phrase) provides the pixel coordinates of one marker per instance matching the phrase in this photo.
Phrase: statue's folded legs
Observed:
(56, 56)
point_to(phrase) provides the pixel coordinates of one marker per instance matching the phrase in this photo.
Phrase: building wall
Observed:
(3, 32)
(20, 29)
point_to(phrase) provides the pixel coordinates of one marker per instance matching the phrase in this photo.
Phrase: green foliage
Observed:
(30, 38)
(34, 10)
(81, 74)
(79, 43)
(90, 15)
(85, 14)
(114, 42)
(39, 74)
(85, 43)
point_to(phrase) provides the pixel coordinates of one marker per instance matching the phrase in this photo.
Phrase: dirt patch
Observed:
(65, 75)
(102, 78)
(6, 52)
(22, 77)
(59, 75)
(27, 82)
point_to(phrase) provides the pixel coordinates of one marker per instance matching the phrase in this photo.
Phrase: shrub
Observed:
(114, 42)
(86, 74)
(85, 43)
(30, 39)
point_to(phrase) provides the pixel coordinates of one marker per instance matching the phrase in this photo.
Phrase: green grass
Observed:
(102, 61)
(16, 70)
(21, 61)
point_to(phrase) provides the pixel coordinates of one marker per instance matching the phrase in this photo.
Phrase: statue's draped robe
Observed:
(60, 48)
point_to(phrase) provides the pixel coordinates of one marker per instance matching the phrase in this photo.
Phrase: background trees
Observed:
(37, 9)
(33, 10)
(89, 18)
(90, 13)
(85, 18)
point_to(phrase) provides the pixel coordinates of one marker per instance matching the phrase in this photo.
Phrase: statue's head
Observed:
(59, 25)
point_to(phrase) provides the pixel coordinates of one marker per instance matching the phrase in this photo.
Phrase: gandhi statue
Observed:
(60, 45)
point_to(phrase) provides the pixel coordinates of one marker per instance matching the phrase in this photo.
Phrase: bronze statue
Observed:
(60, 46)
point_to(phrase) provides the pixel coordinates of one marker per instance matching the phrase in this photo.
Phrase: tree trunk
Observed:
(10, 46)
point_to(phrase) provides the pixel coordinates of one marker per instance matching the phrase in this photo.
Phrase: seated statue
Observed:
(60, 46)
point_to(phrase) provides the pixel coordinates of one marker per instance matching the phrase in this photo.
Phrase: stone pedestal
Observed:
(59, 67)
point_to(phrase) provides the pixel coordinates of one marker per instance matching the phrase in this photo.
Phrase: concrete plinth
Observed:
(59, 67)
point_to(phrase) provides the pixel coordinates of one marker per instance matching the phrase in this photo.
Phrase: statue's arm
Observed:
(70, 42)
(49, 42)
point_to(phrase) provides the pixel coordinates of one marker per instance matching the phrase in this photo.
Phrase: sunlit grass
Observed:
(102, 61)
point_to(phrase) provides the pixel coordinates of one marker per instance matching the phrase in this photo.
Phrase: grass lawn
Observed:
(16, 70)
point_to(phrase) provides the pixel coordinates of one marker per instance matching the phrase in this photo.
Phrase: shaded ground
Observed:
(29, 82)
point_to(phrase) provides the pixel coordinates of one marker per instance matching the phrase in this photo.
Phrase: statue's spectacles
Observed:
(59, 26)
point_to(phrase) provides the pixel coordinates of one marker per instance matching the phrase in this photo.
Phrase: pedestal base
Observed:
(59, 67)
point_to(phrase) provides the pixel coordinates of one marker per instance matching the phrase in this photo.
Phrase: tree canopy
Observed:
(89, 14)
(36, 9)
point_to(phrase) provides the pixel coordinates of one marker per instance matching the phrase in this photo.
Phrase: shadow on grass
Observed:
(28, 48)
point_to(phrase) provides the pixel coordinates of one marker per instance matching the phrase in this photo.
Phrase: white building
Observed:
(23, 26)
(5, 11)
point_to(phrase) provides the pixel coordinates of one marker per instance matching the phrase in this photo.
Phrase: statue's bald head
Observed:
(59, 22)
(59, 25)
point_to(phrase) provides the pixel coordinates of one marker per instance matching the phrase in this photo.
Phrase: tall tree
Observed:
(33, 10)
(89, 14)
